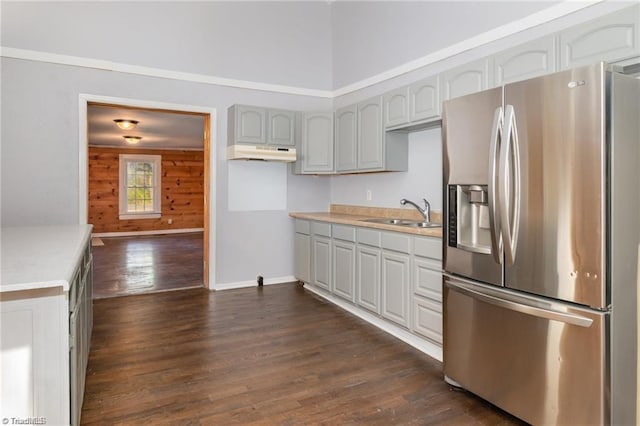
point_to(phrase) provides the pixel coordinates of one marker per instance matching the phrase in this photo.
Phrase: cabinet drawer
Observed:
(369, 237)
(427, 319)
(303, 227)
(396, 242)
(428, 247)
(427, 279)
(321, 228)
(342, 232)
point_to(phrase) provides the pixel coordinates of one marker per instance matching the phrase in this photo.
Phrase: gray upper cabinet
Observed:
(251, 125)
(370, 135)
(424, 99)
(396, 107)
(413, 105)
(468, 78)
(610, 38)
(247, 124)
(345, 141)
(281, 125)
(316, 153)
(529, 60)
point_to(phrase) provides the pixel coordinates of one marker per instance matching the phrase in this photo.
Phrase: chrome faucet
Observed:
(426, 212)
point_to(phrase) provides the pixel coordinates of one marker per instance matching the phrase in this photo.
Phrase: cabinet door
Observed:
(346, 139)
(344, 269)
(251, 125)
(526, 61)
(321, 269)
(396, 107)
(317, 143)
(395, 287)
(281, 127)
(427, 278)
(424, 99)
(368, 278)
(302, 257)
(469, 78)
(370, 135)
(427, 319)
(609, 38)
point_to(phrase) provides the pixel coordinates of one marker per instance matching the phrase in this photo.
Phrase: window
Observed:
(139, 186)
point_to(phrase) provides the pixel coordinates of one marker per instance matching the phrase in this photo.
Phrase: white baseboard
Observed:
(154, 232)
(431, 349)
(253, 283)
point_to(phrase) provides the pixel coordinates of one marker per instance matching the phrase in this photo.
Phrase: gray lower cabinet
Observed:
(395, 287)
(321, 255)
(344, 269)
(391, 274)
(302, 248)
(426, 277)
(344, 261)
(395, 277)
(368, 278)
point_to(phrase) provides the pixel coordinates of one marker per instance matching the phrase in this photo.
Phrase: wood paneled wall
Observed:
(182, 191)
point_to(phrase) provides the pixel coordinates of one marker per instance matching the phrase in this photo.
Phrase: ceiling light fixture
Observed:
(132, 140)
(126, 124)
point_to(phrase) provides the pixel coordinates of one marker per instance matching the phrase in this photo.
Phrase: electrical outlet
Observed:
(369, 195)
(169, 221)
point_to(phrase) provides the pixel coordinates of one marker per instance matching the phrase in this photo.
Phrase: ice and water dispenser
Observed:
(469, 226)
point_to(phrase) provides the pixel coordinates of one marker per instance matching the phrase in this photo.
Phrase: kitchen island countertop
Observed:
(39, 257)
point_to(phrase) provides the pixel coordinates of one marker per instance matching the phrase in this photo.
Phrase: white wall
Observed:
(40, 158)
(422, 180)
(285, 43)
(372, 37)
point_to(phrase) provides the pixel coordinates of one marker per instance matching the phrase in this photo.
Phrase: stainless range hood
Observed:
(261, 152)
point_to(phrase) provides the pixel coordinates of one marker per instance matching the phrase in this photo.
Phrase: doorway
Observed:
(164, 234)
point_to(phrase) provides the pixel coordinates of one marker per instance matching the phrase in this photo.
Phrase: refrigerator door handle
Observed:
(494, 218)
(509, 180)
(566, 317)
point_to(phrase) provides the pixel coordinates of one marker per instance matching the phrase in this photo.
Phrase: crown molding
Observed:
(78, 61)
(554, 12)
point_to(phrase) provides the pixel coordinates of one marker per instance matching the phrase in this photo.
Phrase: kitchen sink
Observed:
(389, 221)
(403, 222)
(422, 224)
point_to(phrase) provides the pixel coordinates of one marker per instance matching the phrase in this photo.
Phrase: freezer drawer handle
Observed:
(525, 309)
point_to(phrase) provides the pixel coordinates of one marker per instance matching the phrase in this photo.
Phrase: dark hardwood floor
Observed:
(274, 355)
(142, 264)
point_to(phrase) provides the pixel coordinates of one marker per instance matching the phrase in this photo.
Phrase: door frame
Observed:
(209, 245)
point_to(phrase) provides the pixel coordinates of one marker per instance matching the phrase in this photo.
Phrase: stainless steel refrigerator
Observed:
(542, 206)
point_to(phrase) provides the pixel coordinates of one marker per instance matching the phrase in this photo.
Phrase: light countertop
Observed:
(358, 220)
(40, 256)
